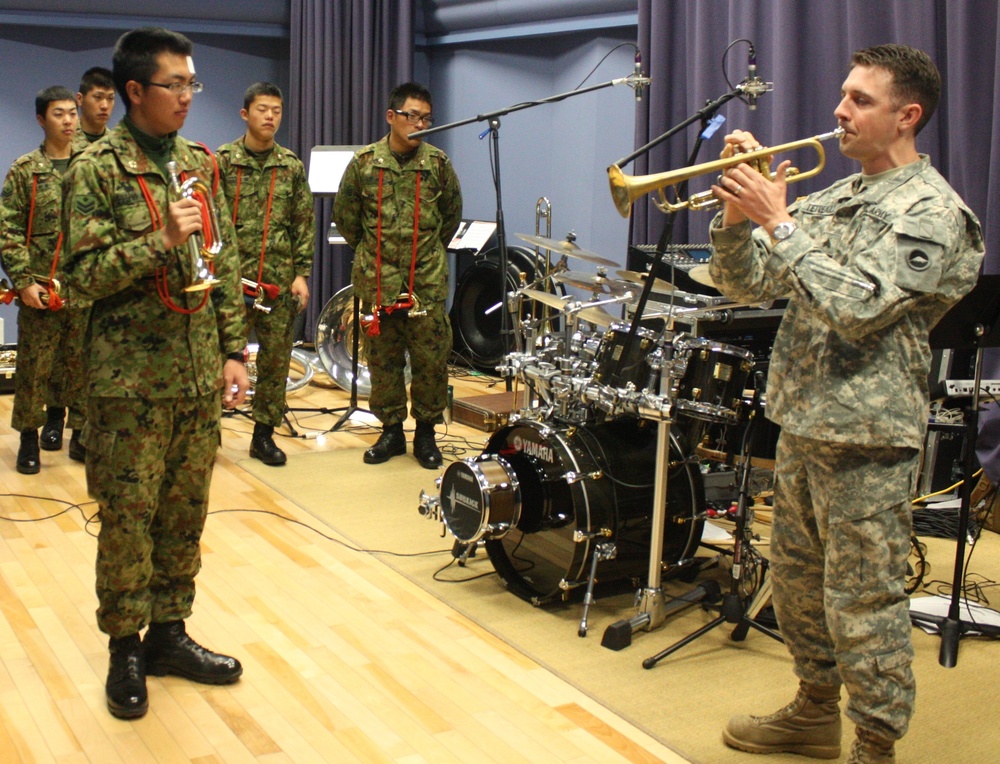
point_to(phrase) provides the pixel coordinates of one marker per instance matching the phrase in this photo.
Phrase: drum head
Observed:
(612, 496)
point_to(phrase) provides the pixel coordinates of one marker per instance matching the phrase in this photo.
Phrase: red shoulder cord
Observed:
(267, 223)
(55, 302)
(373, 328)
(162, 288)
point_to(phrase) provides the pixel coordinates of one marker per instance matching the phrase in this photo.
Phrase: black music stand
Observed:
(326, 169)
(969, 325)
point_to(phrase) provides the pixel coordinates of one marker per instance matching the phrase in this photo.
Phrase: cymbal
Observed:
(595, 282)
(566, 247)
(640, 278)
(546, 298)
(595, 314)
(700, 274)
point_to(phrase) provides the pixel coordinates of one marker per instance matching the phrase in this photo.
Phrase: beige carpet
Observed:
(685, 700)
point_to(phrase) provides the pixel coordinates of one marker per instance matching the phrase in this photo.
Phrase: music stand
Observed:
(969, 325)
(326, 169)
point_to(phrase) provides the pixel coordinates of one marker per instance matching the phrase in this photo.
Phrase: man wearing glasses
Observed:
(161, 361)
(398, 205)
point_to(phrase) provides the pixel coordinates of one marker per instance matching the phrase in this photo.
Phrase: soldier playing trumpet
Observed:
(871, 264)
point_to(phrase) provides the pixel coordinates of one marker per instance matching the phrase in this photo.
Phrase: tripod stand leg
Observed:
(603, 551)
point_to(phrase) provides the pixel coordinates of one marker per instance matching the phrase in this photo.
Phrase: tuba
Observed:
(199, 253)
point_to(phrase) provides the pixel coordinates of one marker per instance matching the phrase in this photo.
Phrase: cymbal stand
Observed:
(735, 608)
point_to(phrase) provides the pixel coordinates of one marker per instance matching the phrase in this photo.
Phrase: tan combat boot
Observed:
(870, 748)
(809, 725)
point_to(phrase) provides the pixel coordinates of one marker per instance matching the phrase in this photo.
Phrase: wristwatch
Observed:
(783, 230)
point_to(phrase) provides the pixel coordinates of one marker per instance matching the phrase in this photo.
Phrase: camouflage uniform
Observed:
(155, 375)
(847, 383)
(42, 334)
(428, 338)
(291, 233)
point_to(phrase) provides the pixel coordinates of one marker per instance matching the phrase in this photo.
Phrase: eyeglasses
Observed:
(416, 119)
(177, 88)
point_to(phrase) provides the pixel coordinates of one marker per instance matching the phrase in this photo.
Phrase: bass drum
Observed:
(335, 343)
(477, 333)
(579, 486)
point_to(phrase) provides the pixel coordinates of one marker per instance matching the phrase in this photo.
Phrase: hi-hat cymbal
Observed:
(567, 248)
(700, 274)
(597, 315)
(640, 278)
(546, 298)
(595, 282)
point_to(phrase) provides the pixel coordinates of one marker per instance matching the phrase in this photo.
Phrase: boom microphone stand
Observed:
(492, 118)
(735, 606)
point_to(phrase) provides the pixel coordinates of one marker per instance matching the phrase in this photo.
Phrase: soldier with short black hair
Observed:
(398, 206)
(871, 264)
(271, 206)
(163, 361)
(30, 246)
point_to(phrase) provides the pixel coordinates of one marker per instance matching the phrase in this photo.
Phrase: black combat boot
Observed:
(125, 689)
(28, 460)
(424, 447)
(77, 452)
(262, 446)
(52, 431)
(390, 443)
(169, 650)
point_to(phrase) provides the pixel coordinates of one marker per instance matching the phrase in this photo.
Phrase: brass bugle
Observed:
(198, 253)
(625, 189)
(8, 293)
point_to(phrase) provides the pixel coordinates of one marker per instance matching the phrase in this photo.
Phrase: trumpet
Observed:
(8, 293)
(625, 189)
(199, 253)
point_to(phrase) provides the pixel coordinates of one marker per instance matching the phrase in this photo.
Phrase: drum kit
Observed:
(587, 472)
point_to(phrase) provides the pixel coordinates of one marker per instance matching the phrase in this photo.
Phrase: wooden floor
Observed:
(344, 660)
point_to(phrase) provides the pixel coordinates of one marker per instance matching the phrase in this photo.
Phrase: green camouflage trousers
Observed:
(69, 371)
(274, 338)
(149, 466)
(840, 541)
(428, 341)
(39, 333)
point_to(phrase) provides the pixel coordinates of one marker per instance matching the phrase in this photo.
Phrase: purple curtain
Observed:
(346, 55)
(803, 47)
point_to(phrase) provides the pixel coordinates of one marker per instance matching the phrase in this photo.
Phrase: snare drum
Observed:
(708, 379)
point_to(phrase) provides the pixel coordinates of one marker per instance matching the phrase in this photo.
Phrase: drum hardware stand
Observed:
(963, 327)
(735, 608)
(604, 550)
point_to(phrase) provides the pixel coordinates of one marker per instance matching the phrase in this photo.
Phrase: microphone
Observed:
(638, 75)
(753, 86)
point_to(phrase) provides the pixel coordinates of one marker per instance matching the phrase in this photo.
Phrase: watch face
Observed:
(783, 230)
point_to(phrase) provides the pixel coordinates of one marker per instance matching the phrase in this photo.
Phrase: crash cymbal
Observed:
(640, 278)
(700, 274)
(595, 282)
(566, 247)
(595, 314)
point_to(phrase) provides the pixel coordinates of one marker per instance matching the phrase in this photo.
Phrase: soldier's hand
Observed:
(183, 219)
(31, 296)
(300, 289)
(235, 383)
